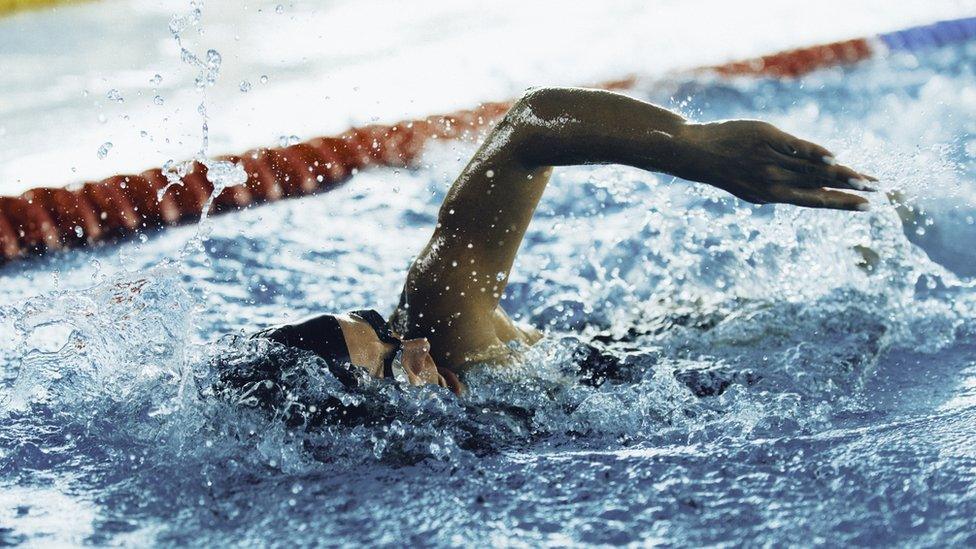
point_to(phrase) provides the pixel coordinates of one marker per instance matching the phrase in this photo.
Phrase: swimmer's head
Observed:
(373, 346)
(364, 339)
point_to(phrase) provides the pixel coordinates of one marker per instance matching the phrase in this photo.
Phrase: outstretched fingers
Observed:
(820, 198)
(812, 165)
(809, 174)
(794, 147)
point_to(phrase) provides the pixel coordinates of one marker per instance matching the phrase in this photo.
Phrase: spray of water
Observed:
(221, 173)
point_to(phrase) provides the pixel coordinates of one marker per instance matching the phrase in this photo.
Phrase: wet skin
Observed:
(449, 314)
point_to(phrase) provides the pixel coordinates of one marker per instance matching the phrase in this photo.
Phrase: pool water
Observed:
(785, 376)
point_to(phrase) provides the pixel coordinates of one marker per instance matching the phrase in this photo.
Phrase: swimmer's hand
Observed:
(759, 163)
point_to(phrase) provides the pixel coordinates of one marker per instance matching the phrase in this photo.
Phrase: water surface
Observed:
(786, 376)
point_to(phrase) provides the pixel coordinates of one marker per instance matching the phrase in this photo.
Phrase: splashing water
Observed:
(714, 371)
(208, 69)
(221, 174)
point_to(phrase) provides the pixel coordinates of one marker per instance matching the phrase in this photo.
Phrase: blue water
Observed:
(834, 353)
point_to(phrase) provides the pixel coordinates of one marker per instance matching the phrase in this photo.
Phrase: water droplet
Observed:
(213, 58)
(500, 275)
(103, 150)
(245, 86)
(264, 79)
(156, 80)
(114, 95)
(102, 118)
(286, 140)
(224, 174)
(279, 9)
(158, 100)
(79, 232)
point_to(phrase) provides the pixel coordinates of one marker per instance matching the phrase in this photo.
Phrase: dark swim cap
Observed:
(322, 335)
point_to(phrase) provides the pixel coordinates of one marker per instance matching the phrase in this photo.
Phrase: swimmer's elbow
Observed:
(536, 108)
(537, 123)
(538, 94)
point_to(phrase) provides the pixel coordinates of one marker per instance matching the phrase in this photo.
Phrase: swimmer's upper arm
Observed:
(488, 208)
(465, 266)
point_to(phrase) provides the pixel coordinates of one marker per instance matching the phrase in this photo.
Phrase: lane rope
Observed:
(51, 218)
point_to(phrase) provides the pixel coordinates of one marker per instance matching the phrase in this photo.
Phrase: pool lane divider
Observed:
(52, 218)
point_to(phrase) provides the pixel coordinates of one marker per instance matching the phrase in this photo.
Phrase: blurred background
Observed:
(89, 89)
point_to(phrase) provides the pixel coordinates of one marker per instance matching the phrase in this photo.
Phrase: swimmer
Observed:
(449, 316)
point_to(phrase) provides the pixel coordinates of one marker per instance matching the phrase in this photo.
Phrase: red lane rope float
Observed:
(794, 63)
(44, 219)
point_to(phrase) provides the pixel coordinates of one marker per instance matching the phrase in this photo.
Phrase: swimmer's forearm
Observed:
(751, 159)
(570, 126)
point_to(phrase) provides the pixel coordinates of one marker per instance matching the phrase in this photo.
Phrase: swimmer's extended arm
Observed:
(748, 158)
(458, 278)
